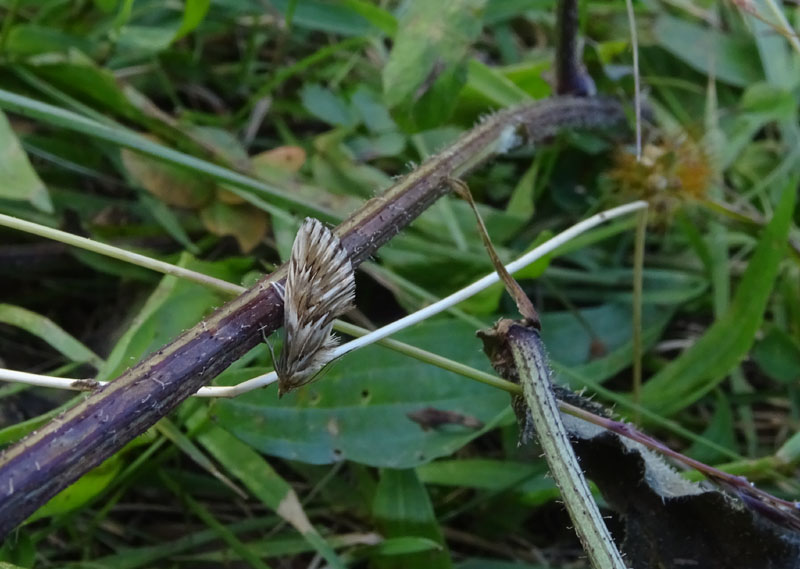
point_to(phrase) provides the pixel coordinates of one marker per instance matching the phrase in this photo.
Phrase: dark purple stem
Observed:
(49, 460)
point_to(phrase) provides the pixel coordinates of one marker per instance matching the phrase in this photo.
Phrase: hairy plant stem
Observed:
(534, 375)
(49, 460)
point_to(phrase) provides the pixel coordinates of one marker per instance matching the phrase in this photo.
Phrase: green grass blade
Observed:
(256, 474)
(703, 366)
(66, 119)
(50, 332)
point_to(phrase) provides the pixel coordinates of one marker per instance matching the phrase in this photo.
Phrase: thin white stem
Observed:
(49, 381)
(377, 335)
(117, 253)
(637, 96)
(445, 303)
(548, 247)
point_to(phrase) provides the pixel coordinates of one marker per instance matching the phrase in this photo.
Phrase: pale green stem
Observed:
(534, 375)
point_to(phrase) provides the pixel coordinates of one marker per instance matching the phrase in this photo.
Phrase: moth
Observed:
(320, 286)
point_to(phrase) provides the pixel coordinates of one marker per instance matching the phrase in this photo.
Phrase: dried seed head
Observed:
(319, 287)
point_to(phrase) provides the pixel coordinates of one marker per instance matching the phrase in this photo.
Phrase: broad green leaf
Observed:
(722, 56)
(372, 111)
(335, 168)
(20, 181)
(596, 333)
(327, 106)
(31, 39)
(359, 409)
(402, 508)
(778, 355)
(703, 366)
(50, 332)
(379, 146)
(333, 17)
(426, 68)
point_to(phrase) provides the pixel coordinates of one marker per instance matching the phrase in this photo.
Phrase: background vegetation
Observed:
(317, 106)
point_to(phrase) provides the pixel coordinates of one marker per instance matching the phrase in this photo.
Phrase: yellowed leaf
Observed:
(245, 223)
(171, 184)
(226, 196)
(284, 159)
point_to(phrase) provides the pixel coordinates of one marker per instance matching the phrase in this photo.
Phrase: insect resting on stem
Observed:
(320, 286)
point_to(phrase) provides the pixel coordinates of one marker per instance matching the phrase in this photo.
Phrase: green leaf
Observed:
(174, 185)
(703, 366)
(325, 105)
(122, 137)
(31, 39)
(761, 104)
(403, 546)
(74, 73)
(372, 111)
(726, 58)
(778, 355)
(47, 330)
(171, 432)
(87, 487)
(359, 410)
(20, 181)
(426, 70)
(488, 474)
(378, 17)
(498, 89)
(146, 40)
(720, 430)
(21, 549)
(193, 13)
(343, 18)
(402, 508)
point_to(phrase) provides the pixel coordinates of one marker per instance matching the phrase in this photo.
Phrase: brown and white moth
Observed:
(320, 286)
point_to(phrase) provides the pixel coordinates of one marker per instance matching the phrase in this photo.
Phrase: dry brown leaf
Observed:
(171, 184)
(288, 159)
(245, 223)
